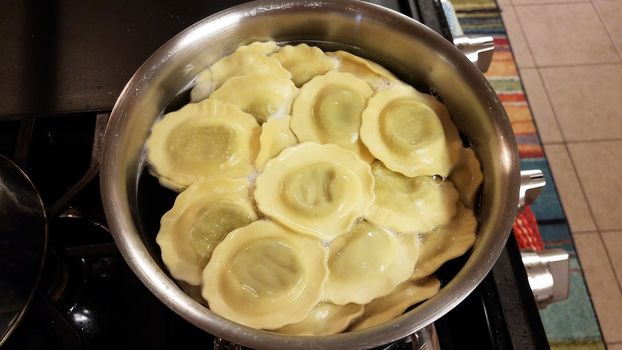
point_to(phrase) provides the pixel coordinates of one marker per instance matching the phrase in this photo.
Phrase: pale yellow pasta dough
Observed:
(367, 263)
(374, 74)
(205, 139)
(246, 59)
(467, 177)
(408, 204)
(261, 94)
(200, 218)
(410, 132)
(446, 242)
(304, 62)
(265, 276)
(315, 189)
(275, 137)
(399, 300)
(328, 110)
(324, 319)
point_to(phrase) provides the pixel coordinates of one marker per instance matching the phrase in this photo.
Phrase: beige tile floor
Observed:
(569, 54)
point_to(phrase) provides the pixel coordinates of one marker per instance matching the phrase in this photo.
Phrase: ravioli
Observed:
(467, 177)
(200, 218)
(410, 132)
(275, 137)
(446, 242)
(408, 204)
(320, 192)
(328, 110)
(265, 276)
(405, 295)
(315, 189)
(251, 58)
(204, 139)
(367, 263)
(304, 62)
(374, 74)
(324, 319)
(274, 98)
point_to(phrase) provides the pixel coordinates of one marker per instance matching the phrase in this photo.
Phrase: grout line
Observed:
(582, 232)
(583, 192)
(554, 143)
(572, 65)
(601, 231)
(576, 142)
(520, 77)
(590, 293)
(527, 45)
(550, 101)
(615, 275)
(600, 19)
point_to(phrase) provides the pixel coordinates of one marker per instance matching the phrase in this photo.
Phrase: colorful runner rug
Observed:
(569, 324)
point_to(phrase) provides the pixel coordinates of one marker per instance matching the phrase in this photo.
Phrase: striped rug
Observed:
(569, 324)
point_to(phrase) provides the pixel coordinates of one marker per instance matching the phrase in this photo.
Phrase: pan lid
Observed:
(23, 239)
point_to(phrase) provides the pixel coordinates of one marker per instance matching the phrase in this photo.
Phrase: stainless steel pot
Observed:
(412, 51)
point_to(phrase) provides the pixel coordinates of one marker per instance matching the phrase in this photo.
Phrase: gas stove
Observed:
(67, 63)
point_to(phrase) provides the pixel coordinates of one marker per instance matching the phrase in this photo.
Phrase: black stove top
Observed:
(70, 61)
(69, 55)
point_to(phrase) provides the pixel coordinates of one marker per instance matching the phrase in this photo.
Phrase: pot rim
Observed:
(131, 246)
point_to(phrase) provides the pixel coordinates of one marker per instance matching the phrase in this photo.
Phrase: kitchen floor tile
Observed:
(610, 12)
(616, 346)
(540, 106)
(520, 50)
(504, 3)
(570, 192)
(602, 284)
(613, 244)
(565, 34)
(587, 100)
(599, 165)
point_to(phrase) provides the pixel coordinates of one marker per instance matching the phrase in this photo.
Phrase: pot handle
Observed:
(532, 183)
(477, 49)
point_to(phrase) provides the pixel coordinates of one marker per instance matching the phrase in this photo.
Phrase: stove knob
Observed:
(548, 273)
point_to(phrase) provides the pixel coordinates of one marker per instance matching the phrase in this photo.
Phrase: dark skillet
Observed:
(23, 240)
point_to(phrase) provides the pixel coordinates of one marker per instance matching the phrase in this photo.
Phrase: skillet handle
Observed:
(425, 338)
